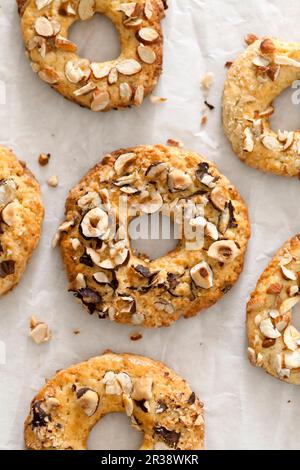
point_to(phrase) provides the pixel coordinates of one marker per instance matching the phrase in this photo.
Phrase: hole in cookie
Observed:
(114, 432)
(153, 235)
(286, 114)
(96, 39)
(296, 317)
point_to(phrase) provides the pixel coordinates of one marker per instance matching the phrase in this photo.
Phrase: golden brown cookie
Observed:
(113, 281)
(274, 343)
(99, 86)
(158, 402)
(21, 216)
(255, 80)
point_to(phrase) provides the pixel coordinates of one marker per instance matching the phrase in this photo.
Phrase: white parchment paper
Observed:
(244, 407)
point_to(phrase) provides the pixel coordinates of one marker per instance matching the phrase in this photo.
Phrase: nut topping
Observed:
(123, 161)
(100, 70)
(88, 400)
(268, 330)
(148, 34)
(94, 223)
(142, 389)
(86, 9)
(101, 100)
(77, 70)
(179, 181)
(267, 46)
(146, 54)
(291, 338)
(219, 198)
(224, 251)
(202, 275)
(127, 8)
(43, 27)
(8, 214)
(40, 4)
(39, 331)
(8, 190)
(129, 67)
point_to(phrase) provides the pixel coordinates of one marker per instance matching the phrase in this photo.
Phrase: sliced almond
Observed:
(40, 4)
(268, 330)
(77, 70)
(139, 95)
(271, 143)
(84, 90)
(291, 338)
(88, 400)
(65, 44)
(285, 60)
(129, 67)
(148, 34)
(101, 100)
(80, 282)
(86, 9)
(292, 360)
(9, 213)
(260, 61)
(127, 8)
(288, 304)
(100, 70)
(148, 10)
(288, 274)
(113, 76)
(125, 92)
(43, 27)
(49, 75)
(146, 54)
(248, 141)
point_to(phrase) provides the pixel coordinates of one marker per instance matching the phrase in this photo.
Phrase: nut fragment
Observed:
(291, 338)
(178, 180)
(94, 223)
(89, 400)
(77, 70)
(86, 9)
(8, 189)
(125, 91)
(49, 75)
(101, 100)
(40, 4)
(39, 331)
(268, 330)
(99, 70)
(267, 46)
(219, 198)
(53, 181)
(127, 8)
(224, 251)
(202, 275)
(249, 141)
(139, 95)
(123, 161)
(44, 159)
(250, 39)
(142, 388)
(9, 213)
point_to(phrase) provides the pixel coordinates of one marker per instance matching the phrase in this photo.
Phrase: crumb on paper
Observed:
(136, 336)
(207, 81)
(39, 331)
(157, 99)
(44, 159)
(228, 64)
(175, 143)
(76, 332)
(209, 105)
(204, 120)
(53, 181)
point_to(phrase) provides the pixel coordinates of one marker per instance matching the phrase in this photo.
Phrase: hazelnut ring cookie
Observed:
(159, 403)
(255, 80)
(274, 343)
(99, 86)
(21, 216)
(110, 279)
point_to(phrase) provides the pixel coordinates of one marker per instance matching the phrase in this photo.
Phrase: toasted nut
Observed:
(224, 251)
(250, 39)
(274, 289)
(142, 388)
(202, 275)
(53, 181)
(89, 400)
(219, 198)
(44, 159)
(8, 214)
(86, 9)
(39, 331)
(267, 46)
(268, 330)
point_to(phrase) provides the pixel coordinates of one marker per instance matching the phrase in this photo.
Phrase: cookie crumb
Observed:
(228, 64)
(207, 81)
(136, 336)
(76, 332)
(53, 181)
(175, 143)
(204, 120)
(157, 99)
(39, 331)
(44, 159)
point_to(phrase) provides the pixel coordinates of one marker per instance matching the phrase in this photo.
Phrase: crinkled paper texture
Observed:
(245, 408)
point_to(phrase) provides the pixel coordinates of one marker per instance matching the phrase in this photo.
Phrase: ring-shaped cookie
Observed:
(104, 271)
(99, 86)
(159, 403)
(274, 343)
(21, 216)
(254, 81)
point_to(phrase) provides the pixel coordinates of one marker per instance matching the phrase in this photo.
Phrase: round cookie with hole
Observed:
(110, 278)
(258, 76)
(98, 86)
(274, 343)
(21, 216)
(159, 403)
